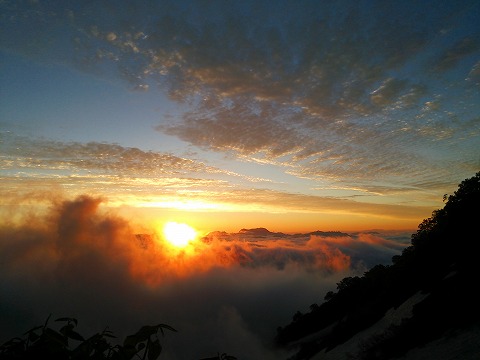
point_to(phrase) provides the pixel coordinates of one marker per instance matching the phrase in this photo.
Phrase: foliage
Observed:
(45, 342)
(441, 260)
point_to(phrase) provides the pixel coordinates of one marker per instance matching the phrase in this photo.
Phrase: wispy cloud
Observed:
(107, 167)
(36, 167)
(335, 90)
(27, 153)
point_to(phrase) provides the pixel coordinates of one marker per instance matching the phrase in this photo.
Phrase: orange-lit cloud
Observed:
(77, 232)
(88, 159)
(78, 258)
(137, 178)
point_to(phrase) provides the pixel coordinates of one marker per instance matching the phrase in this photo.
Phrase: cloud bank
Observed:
(225, 292)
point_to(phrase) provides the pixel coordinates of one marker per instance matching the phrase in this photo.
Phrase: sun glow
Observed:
(179, 235)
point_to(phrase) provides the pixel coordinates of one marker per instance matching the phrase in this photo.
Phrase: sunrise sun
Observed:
(179, 235)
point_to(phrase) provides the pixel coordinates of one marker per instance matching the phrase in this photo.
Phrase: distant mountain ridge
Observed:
(329, 233)
(262, 232)
(437, 274)
(259, 232)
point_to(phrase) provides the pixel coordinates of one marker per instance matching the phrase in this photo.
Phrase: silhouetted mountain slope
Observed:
(442, 263)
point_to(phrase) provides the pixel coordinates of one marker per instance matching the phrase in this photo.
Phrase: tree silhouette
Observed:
(441, 261)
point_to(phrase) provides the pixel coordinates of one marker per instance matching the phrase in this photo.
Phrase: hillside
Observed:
(426, 295)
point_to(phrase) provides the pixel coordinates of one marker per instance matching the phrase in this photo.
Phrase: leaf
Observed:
(145, 332)
(126, 352)
(227, 357)
(74, 335)
(154, 350)
(12, 342)
(33, 329)
(63, 319)
(65, 329)
(32, 335)
(130, 341)
(69, 320)
(55, 337)
(101, 346)
(109, 335)
(165, 326)
(46, 321)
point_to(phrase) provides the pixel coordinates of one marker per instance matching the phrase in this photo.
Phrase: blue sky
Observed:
(363, 109)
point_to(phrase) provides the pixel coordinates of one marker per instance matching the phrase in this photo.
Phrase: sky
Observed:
(295, 116)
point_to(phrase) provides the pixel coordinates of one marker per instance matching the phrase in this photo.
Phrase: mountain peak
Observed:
(256, 231)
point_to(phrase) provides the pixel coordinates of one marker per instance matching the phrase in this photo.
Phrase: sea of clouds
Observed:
(226, 292)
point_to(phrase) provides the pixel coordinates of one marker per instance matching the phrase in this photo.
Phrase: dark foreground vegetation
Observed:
(44, 342)
(442, 262)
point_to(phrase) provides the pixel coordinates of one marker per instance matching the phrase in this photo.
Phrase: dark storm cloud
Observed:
(224, 294)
